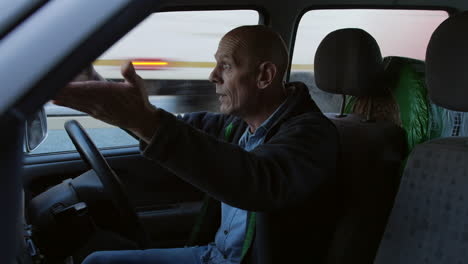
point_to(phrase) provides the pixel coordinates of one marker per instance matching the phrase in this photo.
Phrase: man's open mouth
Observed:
(221, 97)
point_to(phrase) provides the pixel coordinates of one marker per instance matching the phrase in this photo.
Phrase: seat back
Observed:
(372, 156)
(428, 223)
(406, 78)
(348, 62)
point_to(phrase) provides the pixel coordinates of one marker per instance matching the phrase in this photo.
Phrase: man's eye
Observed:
(226, 66)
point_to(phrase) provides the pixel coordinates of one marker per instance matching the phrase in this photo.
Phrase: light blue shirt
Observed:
(229, 239)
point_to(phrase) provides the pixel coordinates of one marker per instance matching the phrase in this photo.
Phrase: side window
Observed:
(403, 33)
(174, 53)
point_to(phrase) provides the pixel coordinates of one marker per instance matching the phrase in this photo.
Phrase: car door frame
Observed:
(49, 67)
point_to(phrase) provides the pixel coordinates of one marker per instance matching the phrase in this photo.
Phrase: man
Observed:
(281, 164)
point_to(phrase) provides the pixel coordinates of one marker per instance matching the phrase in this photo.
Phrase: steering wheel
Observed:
(111, 183)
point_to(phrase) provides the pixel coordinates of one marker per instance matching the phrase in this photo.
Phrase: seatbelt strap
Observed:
(249, 234)
(198, 223)
(228, 131)
(251, 218)
(206, 200)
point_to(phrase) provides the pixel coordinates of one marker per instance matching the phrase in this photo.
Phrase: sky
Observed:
(398, 32)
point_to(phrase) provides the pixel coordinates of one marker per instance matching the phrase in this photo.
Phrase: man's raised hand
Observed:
(121, 104)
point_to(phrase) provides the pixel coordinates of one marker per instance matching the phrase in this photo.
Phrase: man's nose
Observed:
(214, 76)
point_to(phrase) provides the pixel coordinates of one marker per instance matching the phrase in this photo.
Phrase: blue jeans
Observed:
(190, 255)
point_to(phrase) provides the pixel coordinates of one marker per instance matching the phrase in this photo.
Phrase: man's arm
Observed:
(123, 104)
(210, 123)
(281, 173)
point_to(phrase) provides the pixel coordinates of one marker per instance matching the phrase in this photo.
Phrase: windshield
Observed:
(11, 11)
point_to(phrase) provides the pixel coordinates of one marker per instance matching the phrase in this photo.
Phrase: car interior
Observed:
(401, 119)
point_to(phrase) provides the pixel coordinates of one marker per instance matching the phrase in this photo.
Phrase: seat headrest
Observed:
(447, 64)
(348, 61)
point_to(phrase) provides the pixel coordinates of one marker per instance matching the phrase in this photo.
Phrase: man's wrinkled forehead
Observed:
(231, 46)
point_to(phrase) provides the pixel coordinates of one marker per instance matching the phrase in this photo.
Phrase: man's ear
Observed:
(266, 75)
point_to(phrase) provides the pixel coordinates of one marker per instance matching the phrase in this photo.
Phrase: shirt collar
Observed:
(268, 123)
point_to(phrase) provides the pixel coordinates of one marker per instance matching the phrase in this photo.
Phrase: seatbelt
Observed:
(228, 132)
(198, 223)
(251, 218)
(249, 234)
(206, 200)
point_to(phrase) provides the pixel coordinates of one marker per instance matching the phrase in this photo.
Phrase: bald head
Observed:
(259, 44)
(251, 62)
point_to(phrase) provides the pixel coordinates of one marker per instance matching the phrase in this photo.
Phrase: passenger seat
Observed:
(428, 223)
(420, 118)
(349, 62)
(406, 103)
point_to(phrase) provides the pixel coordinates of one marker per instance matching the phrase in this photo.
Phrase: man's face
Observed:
(234, 78)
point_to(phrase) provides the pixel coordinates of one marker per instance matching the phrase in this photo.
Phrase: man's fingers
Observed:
(79, 95)
(70, 90)
(88, 89)
(132, 78)
(73, 94)
(85, 108)
(129, 73)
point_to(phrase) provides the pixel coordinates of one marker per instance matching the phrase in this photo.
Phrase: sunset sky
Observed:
(194, 36)
(398, 32)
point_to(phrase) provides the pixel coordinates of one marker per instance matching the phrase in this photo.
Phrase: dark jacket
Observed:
(289, 180)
